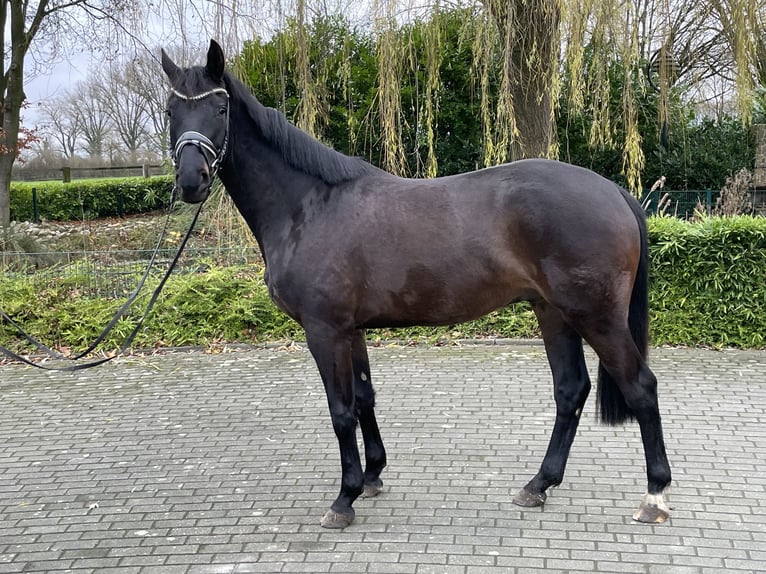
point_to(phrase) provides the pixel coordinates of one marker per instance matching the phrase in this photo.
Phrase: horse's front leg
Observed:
(331, 349)
(374, 451)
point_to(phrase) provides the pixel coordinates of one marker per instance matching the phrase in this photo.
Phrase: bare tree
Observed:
(24, 24)
(62, 123)
(46, 156)
(145, 78)
(682, 42)
(94, 121)
(126, 109)
(743, 24)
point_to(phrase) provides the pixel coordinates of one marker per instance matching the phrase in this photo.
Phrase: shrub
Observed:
(219, 305)
(90, 198)
(708, 287)
(735, 195)
(708, 281)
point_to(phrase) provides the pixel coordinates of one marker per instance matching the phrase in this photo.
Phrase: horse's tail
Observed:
(613, 408)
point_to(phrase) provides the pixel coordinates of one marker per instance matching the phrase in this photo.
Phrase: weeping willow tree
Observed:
(669, 40)
(526, 54)
(608, 29)
(529, 40)
(389, 85)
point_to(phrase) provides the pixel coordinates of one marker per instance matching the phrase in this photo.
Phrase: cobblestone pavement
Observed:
(198, 463)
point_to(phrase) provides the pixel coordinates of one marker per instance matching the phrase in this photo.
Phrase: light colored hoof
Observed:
(529, 499)
(373, 489)
(653, 510)
(336, 520)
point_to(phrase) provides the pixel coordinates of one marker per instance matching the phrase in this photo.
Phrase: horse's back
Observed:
(540, 210)
(455, 248)
(576, 229)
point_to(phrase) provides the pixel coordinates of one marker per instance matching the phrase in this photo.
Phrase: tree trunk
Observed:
(529, 32)
(10, 113)
(5, 195)
(11, 98)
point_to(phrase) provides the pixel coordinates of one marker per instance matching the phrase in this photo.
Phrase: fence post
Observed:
(709, 200)
(145, 170)
(35, 207)
(121, 204)
(67, 174)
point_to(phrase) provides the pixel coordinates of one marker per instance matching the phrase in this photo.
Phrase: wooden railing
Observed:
(67, 174)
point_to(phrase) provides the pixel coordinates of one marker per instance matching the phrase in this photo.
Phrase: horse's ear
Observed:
(215, 61)
(169, 66)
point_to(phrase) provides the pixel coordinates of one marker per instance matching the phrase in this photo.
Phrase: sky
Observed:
(59, 78)
(44, 81)
(176, 23)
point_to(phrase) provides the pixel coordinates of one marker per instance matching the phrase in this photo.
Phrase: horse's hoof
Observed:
(529, 499)
(372, 489)
(653, 510)
(337, 520)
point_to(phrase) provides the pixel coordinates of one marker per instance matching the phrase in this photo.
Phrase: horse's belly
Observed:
(430, 299)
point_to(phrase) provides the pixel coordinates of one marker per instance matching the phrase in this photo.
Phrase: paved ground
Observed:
(195, 463)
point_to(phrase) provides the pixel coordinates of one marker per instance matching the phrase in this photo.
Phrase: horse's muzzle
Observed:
(193, 175)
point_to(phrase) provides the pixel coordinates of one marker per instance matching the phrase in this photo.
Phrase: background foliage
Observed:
(693, 152)
(708, 281)
(708, 287)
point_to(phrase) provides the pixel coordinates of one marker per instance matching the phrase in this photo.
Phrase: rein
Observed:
(214, 157)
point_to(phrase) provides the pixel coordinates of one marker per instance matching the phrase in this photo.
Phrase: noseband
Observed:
(213, 156)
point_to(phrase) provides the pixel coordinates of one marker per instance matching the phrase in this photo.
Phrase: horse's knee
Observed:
(343, 421)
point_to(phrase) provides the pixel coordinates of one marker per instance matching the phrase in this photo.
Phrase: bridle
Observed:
(213, 156)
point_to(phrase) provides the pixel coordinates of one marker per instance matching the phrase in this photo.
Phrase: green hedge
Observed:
(708, 281)
(90, 198)
(708, 287)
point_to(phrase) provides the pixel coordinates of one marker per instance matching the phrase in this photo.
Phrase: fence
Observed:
(684, 204)
(67, 174)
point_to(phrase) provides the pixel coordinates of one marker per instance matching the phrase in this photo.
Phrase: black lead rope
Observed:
(209, 150)
(115, 319)
(120, 312)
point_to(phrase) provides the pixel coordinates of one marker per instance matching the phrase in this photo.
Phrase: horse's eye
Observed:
(168, 113)
(222, 111)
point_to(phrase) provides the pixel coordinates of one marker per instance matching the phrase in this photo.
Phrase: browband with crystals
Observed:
(199, 96)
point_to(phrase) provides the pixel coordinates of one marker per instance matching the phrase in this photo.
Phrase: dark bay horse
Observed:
(349, 247)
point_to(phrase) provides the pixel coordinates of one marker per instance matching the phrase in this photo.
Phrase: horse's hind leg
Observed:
(331, 350)
(624, 368)
(571, 384)
(374, 452)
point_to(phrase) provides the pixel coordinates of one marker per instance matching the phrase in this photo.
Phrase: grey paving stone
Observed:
(197, 463)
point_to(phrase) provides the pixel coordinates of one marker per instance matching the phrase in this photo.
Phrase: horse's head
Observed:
(198, 111)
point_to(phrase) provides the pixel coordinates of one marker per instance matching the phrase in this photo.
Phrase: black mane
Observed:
(296, 147)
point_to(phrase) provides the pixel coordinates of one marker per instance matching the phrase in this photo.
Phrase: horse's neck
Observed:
(265, 190)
